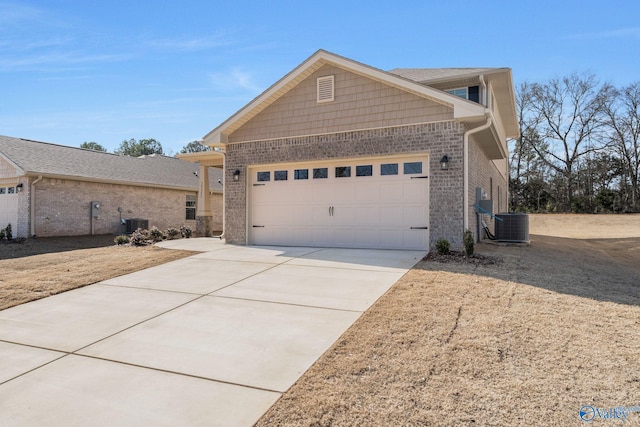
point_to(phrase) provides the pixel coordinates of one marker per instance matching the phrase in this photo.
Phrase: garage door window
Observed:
(412, 168)
(364, 170)
(301, 174)
(320, 173)
(343, 171)
(3, 190)
(12, 190)
(280, 175)
(389, 169)
(264, 176)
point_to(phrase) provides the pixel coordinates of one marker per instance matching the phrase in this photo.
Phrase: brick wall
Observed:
(436, 139)
(485, 174)
(63, 207)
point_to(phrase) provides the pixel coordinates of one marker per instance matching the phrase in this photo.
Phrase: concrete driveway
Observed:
(213, 339)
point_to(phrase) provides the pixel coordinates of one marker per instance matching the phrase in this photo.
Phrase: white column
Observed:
(204, 201)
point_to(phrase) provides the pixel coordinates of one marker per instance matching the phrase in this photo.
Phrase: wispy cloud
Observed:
(235, 79)
(620, 33)
(190, 44)
(57, 60)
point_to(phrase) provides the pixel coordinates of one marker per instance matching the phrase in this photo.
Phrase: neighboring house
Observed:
(338, 153)
(52, 190)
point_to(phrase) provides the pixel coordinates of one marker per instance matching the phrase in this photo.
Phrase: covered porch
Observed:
(204, 214)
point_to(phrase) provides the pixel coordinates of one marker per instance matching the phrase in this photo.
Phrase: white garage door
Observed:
(8, 206)
(373, 203)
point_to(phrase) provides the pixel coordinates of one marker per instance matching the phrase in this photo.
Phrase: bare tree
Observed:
(570, 113)
(623, 111)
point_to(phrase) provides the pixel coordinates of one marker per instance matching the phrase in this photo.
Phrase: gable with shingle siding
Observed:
(370, 104)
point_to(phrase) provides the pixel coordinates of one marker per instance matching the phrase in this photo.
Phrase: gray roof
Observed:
(424, 75)
(41, 158)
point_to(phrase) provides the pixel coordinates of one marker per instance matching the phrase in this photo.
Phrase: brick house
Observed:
(341, 154)
(51, 190)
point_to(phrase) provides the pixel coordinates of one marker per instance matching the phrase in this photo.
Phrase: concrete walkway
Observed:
(213, 339)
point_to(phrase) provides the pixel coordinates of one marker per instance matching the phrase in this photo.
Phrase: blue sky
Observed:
(104, 71)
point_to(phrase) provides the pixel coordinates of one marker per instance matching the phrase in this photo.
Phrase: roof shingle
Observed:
(42, 158)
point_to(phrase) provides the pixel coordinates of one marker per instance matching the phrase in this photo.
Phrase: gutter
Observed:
(32, 206)
(465, 202)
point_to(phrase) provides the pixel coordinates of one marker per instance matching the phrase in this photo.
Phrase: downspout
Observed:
(465, 191)
(224, 193)
(32, 205)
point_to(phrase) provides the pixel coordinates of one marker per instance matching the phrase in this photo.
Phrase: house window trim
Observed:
(191, 208)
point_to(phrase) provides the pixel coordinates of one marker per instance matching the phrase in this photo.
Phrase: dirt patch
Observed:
(525, 341)
(43, 267)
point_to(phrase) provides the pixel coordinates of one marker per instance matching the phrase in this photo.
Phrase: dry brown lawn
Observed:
(41, 267)
(526, 341)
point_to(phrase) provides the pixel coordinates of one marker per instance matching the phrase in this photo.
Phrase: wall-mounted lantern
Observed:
(236, 175)
(444, 163)
(19, 188)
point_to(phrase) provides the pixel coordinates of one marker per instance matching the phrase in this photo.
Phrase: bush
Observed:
(123, 239)
(185, 231)
(172, 233)
(468, 242)
(156, 234)
(443, 247)
(7, 232)
(139, 237)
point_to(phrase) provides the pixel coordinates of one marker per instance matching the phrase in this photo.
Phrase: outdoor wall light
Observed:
(444, 162)
(19, 187)
(236, 175)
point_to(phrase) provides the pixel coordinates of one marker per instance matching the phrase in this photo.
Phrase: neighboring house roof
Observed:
(463, 109)
(59, 161)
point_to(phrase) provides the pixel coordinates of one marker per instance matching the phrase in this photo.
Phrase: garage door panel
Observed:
(416, 190)
(368, 211)
(344, 192)
(368, 216)
(321, 192)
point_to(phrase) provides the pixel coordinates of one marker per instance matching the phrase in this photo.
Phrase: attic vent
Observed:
(325, 89)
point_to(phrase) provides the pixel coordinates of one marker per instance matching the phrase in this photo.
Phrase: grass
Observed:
(43, 267)
(526, 341)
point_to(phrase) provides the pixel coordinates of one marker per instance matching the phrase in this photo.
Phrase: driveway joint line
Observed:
(168, 371)
(285, 303)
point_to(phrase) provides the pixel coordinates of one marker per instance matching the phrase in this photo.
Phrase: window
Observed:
(264, 176)
(343, 171)
(320, 173)
(389, 169)
(191, 207)
(366, 170)
(12, 190)
(325, 89)
(280, 175)
(412, 168)
(472, 93)
(301, 174)
(3, 190)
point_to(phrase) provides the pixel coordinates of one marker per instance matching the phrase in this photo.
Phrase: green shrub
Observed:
(172, 233)
(468, 242)
(156, 234)
(185, 231)
(2, 234)
(7, 232)
(123, 239)
(443, 247)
